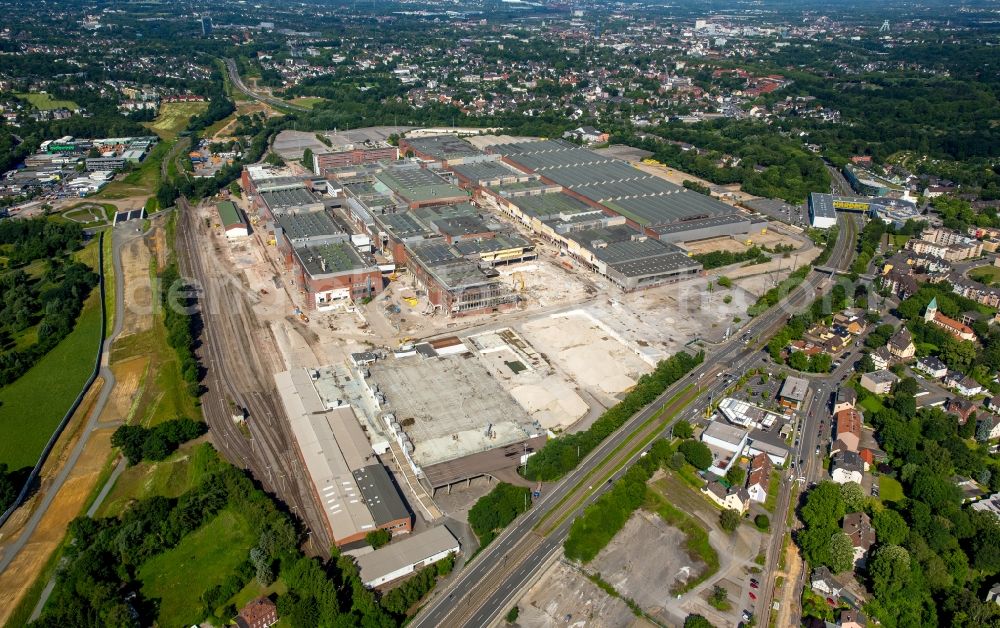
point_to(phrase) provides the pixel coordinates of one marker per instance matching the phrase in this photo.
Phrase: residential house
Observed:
(962, 384)
(759, 477)
(852, 321)
(993, 403)
(962, 408)
(732, 498)
(990, 504)
(901, 344)
(823, 582)
(881, 358)
(852, 618)
(847, 428)
(879, 382)
(932, 366)
(259, 613)
(858, 527)
(993, 595)
(847, 398)
(846, 466)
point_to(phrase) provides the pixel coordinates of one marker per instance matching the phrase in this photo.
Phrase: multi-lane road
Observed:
(486, 588)
(237, 81)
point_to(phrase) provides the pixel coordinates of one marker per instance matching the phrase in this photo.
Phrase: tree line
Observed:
(155, 443)
(562, 454)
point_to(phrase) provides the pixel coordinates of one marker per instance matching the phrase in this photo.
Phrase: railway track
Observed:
(235, 352)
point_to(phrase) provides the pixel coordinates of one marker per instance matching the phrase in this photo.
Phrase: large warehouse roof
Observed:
(381, 494)
(417, 184)
(308, 225)
(643, 198)
(335, 485)
(443, 147)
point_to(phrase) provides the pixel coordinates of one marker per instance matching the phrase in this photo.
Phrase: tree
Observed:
(890, 527)
(824, 505)
(378, 538)
(762, 522)
(853, 496)
(697, 621)
(512, 614)
(274, 159)
(307, 158)
(719, 598)
(736, 475)
(497, 509)
(696, 453)
(889, 570)
(907, 387)
(724, 281)
(683, 429)
(983, 429)
(729, 519)
(677, 461)
(798, 361)
(841, 553)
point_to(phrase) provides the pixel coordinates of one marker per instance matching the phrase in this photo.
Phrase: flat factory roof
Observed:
(418, 184)
(443, 147)
(450, 407)
(308, 225)
(229, 214)
(296, 197)
(329, 259)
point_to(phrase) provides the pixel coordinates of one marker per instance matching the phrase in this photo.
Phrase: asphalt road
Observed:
(234, 76)
(485, 590)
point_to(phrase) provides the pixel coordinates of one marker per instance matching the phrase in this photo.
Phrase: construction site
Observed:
(443, 334)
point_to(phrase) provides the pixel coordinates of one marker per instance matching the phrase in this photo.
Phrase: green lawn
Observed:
(899, 240)
(889, 489)
(178, 577)
(985, 274)
(872, 404)
(32, 406)
(45, 102)
(139, 182)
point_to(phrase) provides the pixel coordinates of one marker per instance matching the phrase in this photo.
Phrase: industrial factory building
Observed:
(350, 485)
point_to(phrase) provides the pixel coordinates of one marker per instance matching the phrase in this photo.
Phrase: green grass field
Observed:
(307, 101)
(985, 274)
(872, 404)
(178, 577)
(889, 489)
(181, 471)
(32, 406)
(173, 117)
(45, 102)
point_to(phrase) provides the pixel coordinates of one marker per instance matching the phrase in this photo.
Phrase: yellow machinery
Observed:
(749, 242)
(393, 277)
(763, 231)
(518, 278)
(411, 301)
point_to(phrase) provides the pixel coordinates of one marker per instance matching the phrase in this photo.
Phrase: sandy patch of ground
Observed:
(138, 295)
(67, 505)
(646, 576)
(565, 597)
(129, 378)
(711, 245)
(588, 351)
